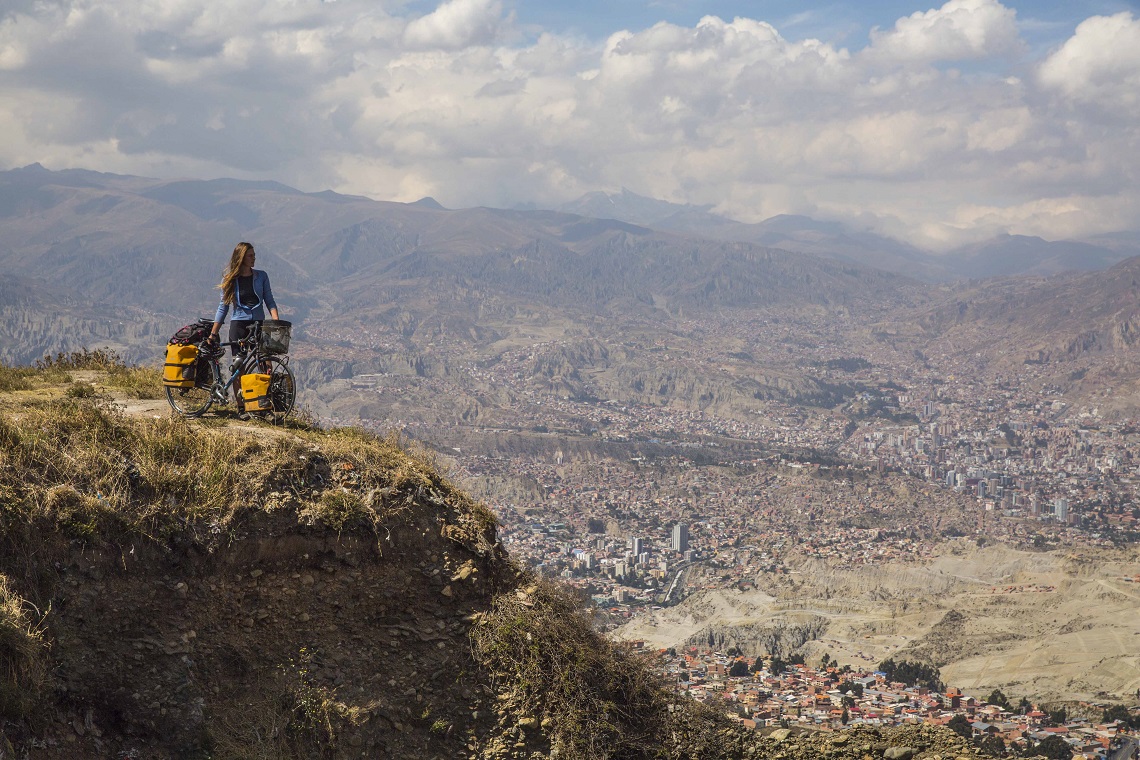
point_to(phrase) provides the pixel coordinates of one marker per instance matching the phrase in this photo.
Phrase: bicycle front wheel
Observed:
(282, 386)
(189, 402)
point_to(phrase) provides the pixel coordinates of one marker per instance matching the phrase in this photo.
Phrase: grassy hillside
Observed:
(220, 589)
(217, 590)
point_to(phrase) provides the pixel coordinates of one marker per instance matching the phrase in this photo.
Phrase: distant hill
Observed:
(1001, 256)
(1082, 328)
(787, 232)
(160, 246)
(1008, 255)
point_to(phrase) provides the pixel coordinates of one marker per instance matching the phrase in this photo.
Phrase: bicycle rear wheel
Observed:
(190, 402)
(282, 387)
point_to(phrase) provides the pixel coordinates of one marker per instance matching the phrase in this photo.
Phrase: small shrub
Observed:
(339, 508)
(316, 716)
(100, 359)
(81, 390)
(15, 378)
(602, 700)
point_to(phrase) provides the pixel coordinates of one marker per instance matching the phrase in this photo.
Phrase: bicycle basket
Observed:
(275, 336)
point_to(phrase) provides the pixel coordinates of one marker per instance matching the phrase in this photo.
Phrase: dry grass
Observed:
(599, 698)
(28, 378)
(133, 381)
(595, 699)
(92, 470)
(23, 667)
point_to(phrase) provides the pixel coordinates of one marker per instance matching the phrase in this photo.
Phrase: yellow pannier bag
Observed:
(255, 392)
(178, 372)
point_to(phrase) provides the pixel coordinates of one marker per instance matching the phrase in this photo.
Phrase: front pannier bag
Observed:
(255, 392)
(179, 370)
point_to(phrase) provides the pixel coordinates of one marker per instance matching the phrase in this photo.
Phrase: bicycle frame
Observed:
(244, 363)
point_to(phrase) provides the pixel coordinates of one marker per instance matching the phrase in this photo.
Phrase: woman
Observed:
(246, 290)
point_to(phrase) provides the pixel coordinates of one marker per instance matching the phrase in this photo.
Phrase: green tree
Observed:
(959, 725)
(739, 669)
(846, 716)
(1059, 717)
(996, 697)
(912, 673)
(1121, 713)
(777, 666)
(1052, 747)
(992, 746)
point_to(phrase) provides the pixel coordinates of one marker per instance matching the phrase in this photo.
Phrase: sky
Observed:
(939, 124)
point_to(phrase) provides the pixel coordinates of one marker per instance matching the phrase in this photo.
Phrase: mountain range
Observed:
(1004, 255)
(94, 259)
(114, 243)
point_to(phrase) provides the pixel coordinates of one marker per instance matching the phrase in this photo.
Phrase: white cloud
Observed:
(959, 30)
(1099, 64)
(358, 96)
(456, 24)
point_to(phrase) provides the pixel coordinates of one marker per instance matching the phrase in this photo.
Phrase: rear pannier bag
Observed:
(255, 392)
(180, 370)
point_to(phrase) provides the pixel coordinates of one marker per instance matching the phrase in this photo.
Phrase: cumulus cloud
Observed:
(959, 30)
(456, 24)
(1099, 64)
(459, 104)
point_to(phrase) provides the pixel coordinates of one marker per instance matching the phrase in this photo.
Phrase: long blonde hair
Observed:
(228, 285)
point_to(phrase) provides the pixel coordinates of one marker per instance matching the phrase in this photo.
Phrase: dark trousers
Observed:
(238, 331)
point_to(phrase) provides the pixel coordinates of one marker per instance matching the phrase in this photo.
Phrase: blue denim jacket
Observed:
(243, 314)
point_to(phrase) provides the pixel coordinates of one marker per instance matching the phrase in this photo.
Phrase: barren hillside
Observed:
(1047, 625)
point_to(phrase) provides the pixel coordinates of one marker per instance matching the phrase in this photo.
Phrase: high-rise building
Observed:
(680, 537)
(636, 546)
(1061, 509)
